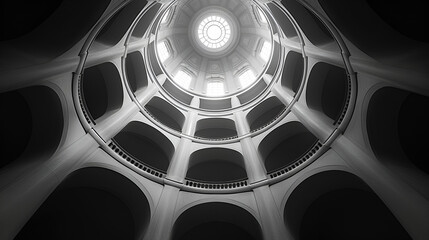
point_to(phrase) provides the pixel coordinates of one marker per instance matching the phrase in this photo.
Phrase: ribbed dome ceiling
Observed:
(214, 48)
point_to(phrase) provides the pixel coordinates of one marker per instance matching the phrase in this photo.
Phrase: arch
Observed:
(102, 89)
(136, 71)
(91, 203)
(216, 220)
(293, 71)
(27, 19)
(30, 114)
(156, 68)
(32, 32)
(145, 21)
(327, 89)
(264, 112)
(285, 144)
(216, 165)
(215, 128)
(252, 93)
(114, 30)
(218, 104)
(397, 127)
(146, 144)
(275, 59)
(283, 21)
(411, 21)
(382, 38)
(339, 205)
(165, 113)
(314, 29)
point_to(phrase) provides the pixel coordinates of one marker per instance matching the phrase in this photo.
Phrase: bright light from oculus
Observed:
(215, 88)
(214, 32)
(183, 79)
(247, 78)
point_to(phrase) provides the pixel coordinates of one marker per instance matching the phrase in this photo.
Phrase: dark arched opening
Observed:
(285, 145)
(91, 203)
(30, 114)
(215, 128)
(146, 144)
(216, 220)
(339, 205)
(216, 165)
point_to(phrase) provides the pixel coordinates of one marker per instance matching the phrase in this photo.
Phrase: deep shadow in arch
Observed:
(408, 19)
(145, 21)
(285, 145)
(146, 144)
(339, 205)
(91, 203)
(29, 17)
(283, 21)
(114, 30)
(102, 89)
(29, 115)
(216, 220)
(70, 20)
(215, 128)
(327, 89)
(264, 112)
(377, 29)
(216, 165)
(397, 127)
(136, 71)
(293, 71)
(166, 113)
(310, 24)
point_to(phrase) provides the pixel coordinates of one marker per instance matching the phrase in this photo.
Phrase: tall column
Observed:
(254, 167)
(273, 226)
(180, 161)
(198, 84)
(316, 123)
(405, 202)
(229, 77)
(161, 224)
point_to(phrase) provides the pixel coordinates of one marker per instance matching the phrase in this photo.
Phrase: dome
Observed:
(214, 119)
(212, 49)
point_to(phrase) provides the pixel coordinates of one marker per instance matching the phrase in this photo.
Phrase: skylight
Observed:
(215, 88)
(183, 79)
(214, 32)
(163, 52)
(265, 51)
(247, 78)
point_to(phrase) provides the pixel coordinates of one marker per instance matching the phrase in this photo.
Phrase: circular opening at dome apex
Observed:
(214, 32)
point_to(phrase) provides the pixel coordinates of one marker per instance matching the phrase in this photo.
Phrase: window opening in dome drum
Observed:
(183, 79)
(246, 78)
(163, 52)
(215, 88)
(265, 51)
